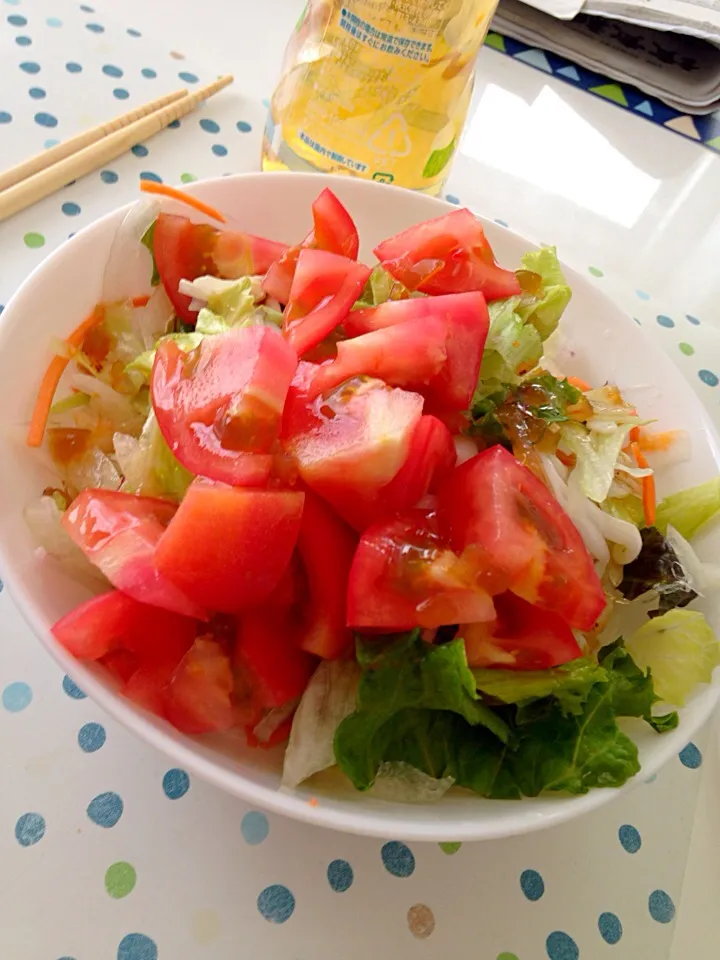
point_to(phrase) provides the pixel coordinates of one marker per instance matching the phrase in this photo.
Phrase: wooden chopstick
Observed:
(65, 149)
(97, 152)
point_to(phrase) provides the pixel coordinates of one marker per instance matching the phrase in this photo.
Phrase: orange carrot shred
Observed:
(634, 435)
(140, 301)
(648, 485)
(150, 186)
(578, 384)
(52, 376)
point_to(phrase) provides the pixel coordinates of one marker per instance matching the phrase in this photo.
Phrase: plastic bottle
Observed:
(377, 89)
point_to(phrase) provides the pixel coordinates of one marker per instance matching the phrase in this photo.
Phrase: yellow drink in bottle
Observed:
(377, 89)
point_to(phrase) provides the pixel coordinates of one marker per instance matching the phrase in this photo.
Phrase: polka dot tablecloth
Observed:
(110, 853)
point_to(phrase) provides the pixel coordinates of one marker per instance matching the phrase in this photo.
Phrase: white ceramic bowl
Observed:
(599, 343)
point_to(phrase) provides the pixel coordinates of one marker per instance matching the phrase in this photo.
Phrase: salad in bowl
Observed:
(366, 514)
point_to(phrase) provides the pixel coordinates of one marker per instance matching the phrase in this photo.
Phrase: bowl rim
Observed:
(299, 805)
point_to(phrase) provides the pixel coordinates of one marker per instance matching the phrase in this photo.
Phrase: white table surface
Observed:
(628, 199)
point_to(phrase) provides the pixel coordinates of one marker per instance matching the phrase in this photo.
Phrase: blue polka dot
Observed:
(276, 903)
(630, 838)
(708, 377)
(91, 737)
(140, 150)
(54, 22)
(136, 946)
(29, 66)
(110, 70)
(23, 41)
(148, 72)
(642, 294)
(46, 119)
(661, 906)
(16, 696)
(398, 859)
(610, 928)
(2, 307)
(532, 884)
(219, 150)
(73, 67)
(502, 223)
(451, 198)
(86, 9)
(188, 77)
(690, 756)
(72, 689)
(174, 125)
(5, 117)
(120, 93)
(340, 876)
(652, 778)
(108, 176)
(254, 827)
(50, 142)
(29, 829)
(105, 809)
(16, 20)
(665, 321)
(133, 33)
(149, 175)
(175, 783)
(243, 126)
(70, 209)
(560, 946)
(37, 93)
(209, 126)
(95, 27)
(693, 320)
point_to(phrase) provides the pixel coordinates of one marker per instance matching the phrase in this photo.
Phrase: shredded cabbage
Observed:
(597, 455)
(689, 510)
(400, 782)
(148, 464)
(43, 518)
(703, 578)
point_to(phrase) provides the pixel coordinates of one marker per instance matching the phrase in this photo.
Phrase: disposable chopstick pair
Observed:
(36, 178)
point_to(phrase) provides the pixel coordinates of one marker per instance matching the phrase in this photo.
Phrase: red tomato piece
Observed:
(523, 637)
(220, 406)
(467, 322)
(333, 230)
(148, 685)
(118, 532)
(431, 458)
(327, 547)
(185, 250)
(198, 698)
(407, 355)
(355, 442)
(324, 288)
(495, 507)
(449, 254)
(403, 576)
(125, 634)
(230, 545)
(270, 668)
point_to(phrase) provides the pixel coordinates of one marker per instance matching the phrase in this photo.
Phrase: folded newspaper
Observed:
(670, 49)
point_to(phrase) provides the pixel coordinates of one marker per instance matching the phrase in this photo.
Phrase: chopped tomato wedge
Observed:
(220, 406)
(120, 664)
(327, 547)
(198, 698)
(229, 545)
(467, 322)
(333, 230)
(403, 576)
(270, 668)
(407, 355)
(449, 254)
(523, 637)
(185, 250)
(521, 537)
(324, 288)
(354, 442)
(96, 627)
(119, 532)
